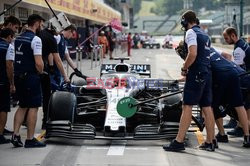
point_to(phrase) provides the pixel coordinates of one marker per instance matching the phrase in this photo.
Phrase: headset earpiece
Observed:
(184, 23)
(197, 21)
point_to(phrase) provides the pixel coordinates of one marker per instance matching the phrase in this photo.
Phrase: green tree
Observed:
(136, 5)
(114, 4)
(167, 7)
(208, 4)
(171, 7)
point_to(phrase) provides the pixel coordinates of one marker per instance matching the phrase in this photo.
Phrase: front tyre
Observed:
(62, 106)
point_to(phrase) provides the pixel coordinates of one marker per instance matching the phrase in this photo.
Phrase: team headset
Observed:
(184, 27)
(184, 23)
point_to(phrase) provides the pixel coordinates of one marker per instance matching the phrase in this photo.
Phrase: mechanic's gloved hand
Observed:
(78, 73)
(180, 50)
(51, 69)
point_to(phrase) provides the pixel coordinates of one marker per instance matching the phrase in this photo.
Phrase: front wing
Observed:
(66, 129)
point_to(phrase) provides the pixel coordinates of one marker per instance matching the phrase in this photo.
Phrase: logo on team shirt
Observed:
(18, 50)
(20, 47)
(207, 47)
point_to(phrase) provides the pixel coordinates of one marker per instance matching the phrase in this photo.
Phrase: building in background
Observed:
(87, 15)
(78, 11)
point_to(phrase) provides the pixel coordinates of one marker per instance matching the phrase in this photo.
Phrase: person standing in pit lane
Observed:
(241, 56)
(67, 33)
(28, 66)
(49, 50)
(13, 23)
(112, 41)
(198, 86)
(7, 86)
(129, 43)
(226, 89)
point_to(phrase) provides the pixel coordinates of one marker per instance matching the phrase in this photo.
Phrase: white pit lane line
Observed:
(117, 148)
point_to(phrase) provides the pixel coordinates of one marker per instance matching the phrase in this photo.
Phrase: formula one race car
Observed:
(152, 44)
(125, 103)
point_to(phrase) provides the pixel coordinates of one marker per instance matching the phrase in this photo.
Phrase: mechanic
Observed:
(112, 41)
(7, 86)
(56, 77)
(49, 50)
(241, 56)
(102, 40)
(168, 39)
(129, 43)
(198, 87)
(226, 89)
(28, 66)
(13, 23)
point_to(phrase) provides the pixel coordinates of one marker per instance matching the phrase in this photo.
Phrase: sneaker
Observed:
(34, 143)
(215, 142)
(237, 132)
(231, 124)
(221, 138)
(16, 140)
(246, 142)
(207, 146)
(7, 132)
(174, 146)
(3, 140)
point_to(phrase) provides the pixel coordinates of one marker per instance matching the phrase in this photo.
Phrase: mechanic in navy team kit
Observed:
(67, 33)
(226, 90)
(241, 56)
(27, 68)
(7, 86)
(13, 23)
(49, 50)
(198, 86)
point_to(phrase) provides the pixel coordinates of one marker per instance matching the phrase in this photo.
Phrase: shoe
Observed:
(237, 132)
(7, 132)
(207, 146)
(16, 141)
(246, 142)
(3, 140)
(111, 58)
(174, 146)
(231, 124)
(215, 142)
(221, 138)
(34, 143)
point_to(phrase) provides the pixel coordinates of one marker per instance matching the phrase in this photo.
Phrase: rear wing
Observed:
(141, 69)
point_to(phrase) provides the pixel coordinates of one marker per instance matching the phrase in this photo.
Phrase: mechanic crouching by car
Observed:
(198, 86)
(241, 56)
(28, 67)
(56, 77)
(49, 51)
(7, 86)
(226, 91)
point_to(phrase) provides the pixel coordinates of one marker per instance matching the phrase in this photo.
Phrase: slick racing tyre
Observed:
(77, 84)
(62, 106)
